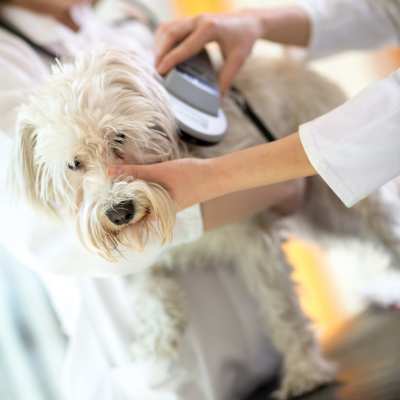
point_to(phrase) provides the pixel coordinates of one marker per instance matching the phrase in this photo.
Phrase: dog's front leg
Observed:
(268, 277)
(158, 315)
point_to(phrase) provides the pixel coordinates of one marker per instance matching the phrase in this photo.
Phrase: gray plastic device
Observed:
(195, 100)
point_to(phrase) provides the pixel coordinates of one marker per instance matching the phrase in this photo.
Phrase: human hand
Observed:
(235, 34)
(186, 180)
(191, 181)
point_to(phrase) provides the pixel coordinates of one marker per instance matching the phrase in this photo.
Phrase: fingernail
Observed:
(161, 68)
(115, 170)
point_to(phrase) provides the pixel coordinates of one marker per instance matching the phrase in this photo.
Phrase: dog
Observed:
(108, 107)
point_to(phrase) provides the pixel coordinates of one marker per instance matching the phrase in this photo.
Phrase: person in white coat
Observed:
(355, 148)
(225, 348)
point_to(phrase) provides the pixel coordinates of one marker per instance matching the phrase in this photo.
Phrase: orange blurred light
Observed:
(193, 7)
(385, 62)
(317, 294)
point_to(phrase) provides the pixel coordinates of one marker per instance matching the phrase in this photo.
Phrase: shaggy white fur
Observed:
(109, 107)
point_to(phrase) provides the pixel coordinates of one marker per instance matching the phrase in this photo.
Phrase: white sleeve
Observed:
(356, 147)
(339, 25)
(42, 244)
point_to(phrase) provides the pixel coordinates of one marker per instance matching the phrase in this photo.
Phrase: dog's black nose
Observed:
(121, 213)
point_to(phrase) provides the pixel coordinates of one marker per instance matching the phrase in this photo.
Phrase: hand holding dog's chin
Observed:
(189, 181)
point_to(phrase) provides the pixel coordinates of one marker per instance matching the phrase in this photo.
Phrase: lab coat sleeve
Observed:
(340, 25)
(38, 242)
(356, 147)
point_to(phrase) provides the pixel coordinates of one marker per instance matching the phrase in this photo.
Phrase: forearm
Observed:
(192, 181)
(258, 166)
(286, 25)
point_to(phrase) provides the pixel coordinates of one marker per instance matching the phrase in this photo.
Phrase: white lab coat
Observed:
(356, 148)
(225, 351)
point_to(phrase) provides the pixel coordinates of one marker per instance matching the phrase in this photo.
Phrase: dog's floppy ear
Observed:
(23, 174)
(24, 177)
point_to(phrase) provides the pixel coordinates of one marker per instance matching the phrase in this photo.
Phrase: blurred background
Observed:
(31, 341)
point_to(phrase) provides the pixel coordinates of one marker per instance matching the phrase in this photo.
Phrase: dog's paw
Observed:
(305, 376)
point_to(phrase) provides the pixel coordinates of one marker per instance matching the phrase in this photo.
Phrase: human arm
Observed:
(324, 27)
(209, 179)
(377, 22)
(235, 34)
(354, 148)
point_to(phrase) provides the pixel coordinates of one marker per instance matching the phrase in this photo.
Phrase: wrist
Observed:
(286, 25)
(226, 172)
(211, 177)
(258, 21)
(199, 181)
(266, 21)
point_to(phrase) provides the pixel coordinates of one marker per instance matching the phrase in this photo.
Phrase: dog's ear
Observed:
(24, 176)
(163, 212)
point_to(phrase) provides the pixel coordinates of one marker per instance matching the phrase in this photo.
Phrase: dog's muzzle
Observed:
(121, 213)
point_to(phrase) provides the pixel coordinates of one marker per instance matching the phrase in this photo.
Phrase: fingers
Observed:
(168, 35)
(230, 69)
(189, 47)
(189, 35)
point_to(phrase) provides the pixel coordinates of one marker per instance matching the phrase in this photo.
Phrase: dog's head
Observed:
(106, 108)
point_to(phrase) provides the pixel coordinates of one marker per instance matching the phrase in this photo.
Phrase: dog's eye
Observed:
(74, 165)
(120, 138)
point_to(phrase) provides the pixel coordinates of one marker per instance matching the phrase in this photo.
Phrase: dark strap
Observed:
(14, 31)
(248, 111)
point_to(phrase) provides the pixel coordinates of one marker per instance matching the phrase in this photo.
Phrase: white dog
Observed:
(107, 107)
